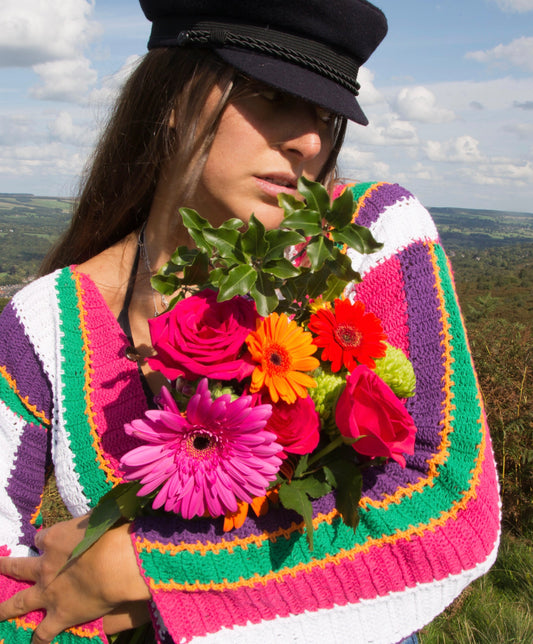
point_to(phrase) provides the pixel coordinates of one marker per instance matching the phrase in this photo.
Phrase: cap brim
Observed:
(296, 80)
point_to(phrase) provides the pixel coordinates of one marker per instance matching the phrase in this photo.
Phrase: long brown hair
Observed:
(118, 188)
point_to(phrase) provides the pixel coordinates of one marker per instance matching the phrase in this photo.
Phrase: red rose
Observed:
(203, 337)
(296, 425)
(369, 410)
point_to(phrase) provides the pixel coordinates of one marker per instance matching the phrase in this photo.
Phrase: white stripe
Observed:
(37, 308)
(11, 430)
(400, 225)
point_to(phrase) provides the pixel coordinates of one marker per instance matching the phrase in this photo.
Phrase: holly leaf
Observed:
(342, 209)
(264, 294)
(253, 242)
(309, 222)
(278, 240)
(348, 484)
(315, 195)
(289, 203)
(281, 268)
(238, 281)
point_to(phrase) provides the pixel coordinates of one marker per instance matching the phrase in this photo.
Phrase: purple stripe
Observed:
(379, 199)
(174, 529)
(26, 481)
(21, 362)
(425, 348)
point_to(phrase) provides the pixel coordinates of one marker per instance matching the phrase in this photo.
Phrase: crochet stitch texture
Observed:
(425, 533)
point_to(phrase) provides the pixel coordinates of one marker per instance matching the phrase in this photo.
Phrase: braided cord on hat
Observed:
(307, 53)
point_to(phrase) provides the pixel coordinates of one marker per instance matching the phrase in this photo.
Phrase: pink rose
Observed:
(203, 337)
(296, 425)
(368, 408)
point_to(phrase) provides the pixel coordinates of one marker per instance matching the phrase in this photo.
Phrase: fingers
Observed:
(20, 568)
(23, 602)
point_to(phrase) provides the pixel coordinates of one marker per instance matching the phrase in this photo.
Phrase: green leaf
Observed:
(318, 251)
(233, 224)
(223, 239)
(315, 194)
(281, 268)
(192, 220)
(254, 243)
(121, 502)
(293, 496)
(342, 210)
(197, 273)
(308, 221)
(264, 294)
(165, 284)
(357, 237)
(334, 288)
(349, 484)
(238, 281)
(289, 203)
(278, 240)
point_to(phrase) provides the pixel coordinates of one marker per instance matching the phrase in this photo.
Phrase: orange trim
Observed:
(25, 401)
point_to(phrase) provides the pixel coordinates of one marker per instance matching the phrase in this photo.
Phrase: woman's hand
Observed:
(104, 580)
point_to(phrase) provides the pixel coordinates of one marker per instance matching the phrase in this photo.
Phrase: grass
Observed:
(496, 609)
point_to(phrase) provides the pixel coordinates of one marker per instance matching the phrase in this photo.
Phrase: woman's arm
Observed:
(105, 579)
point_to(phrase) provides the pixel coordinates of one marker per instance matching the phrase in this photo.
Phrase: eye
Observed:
(270, 94)
(324, 115)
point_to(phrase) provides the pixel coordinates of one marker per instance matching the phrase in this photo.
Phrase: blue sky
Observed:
(449, 95)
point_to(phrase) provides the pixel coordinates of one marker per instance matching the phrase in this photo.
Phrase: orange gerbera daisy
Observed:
(284, 351)
(348, 335)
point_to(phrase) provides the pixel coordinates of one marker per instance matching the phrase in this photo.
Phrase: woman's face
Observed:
(265, 141)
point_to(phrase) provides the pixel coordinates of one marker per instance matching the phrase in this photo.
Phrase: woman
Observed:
(229, 108)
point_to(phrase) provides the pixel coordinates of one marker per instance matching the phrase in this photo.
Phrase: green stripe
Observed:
(360, 189)
(16, 406)
(11, 634)
(454, 477)
(92, 479)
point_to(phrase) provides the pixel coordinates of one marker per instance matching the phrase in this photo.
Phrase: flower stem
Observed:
(328, 449)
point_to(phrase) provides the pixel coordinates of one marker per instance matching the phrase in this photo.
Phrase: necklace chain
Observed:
(144, 253)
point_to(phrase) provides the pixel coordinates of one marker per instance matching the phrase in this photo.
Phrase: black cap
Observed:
(309, 48)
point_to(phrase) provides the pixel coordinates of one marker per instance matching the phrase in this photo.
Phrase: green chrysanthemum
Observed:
(325, 395)
(397, 371)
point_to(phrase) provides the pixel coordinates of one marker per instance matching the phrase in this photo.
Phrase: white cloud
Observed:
(420, 104)
(64, 130)
(501, 174)
(37, 31)
(368, 94)
(516, 6)
(111, 85)
(65, 80)
(518, 53)
(463, 149)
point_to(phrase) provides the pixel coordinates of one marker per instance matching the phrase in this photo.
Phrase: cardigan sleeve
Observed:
(425, 532)
(28, 347)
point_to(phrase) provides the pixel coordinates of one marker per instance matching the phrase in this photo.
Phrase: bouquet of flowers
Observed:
(279, 389)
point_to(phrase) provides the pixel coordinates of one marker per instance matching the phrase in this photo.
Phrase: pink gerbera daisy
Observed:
(207, 459)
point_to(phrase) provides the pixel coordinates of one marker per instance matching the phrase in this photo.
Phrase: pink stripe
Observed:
(107, 360)
(383, 292)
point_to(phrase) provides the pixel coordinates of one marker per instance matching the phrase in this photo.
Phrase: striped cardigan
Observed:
(425, 532)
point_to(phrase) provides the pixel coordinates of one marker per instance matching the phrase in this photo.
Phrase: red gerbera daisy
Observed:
(349, 336)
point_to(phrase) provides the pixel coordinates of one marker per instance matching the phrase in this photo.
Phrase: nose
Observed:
(303, 135)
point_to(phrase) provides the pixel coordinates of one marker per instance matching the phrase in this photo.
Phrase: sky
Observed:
(449, 96)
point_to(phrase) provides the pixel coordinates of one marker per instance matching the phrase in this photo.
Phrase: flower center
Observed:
(277, 358)
(348, 336)
(200, 445)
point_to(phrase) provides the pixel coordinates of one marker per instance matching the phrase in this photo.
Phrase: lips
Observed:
(281, 181)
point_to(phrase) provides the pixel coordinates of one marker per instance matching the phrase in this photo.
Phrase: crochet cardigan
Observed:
(426, 531)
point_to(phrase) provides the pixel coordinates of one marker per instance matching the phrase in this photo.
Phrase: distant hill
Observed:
(468, 228)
